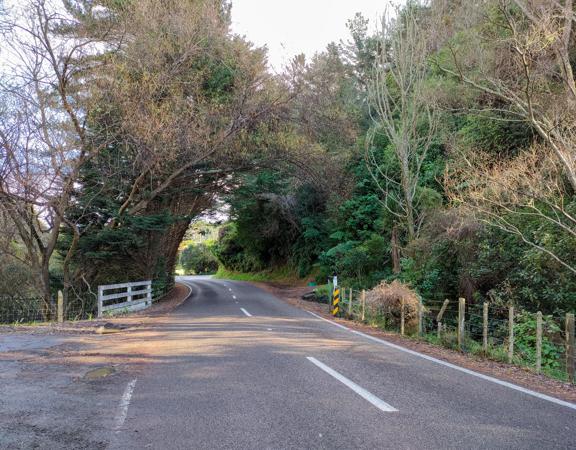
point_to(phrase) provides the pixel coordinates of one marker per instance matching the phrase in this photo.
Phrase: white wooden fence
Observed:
(125, 297)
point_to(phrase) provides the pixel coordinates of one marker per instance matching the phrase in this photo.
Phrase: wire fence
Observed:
(543, 343)
(28, 310)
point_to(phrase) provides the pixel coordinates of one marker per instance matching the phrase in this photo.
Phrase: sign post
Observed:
(336, 301)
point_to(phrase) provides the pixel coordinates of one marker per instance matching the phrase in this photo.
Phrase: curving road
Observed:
(244, 370)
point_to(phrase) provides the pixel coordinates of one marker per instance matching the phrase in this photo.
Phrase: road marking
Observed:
(230, 289)
(124, 404)
(378, 403)
(455, 367)
(234, 297)
(189, 289)
(246, 312)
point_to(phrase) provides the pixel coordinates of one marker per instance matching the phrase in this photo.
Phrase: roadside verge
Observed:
(169, 302)
(510, 373)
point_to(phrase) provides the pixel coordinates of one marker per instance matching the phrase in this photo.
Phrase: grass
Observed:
(285, 275)
(494, 352)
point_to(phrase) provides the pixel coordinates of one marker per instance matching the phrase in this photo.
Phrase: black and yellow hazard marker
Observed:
(335, 302)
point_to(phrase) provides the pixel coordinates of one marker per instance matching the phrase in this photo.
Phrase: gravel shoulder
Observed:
(61, 384)
(514, 374)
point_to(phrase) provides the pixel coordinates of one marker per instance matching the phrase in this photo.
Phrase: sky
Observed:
(292, 27)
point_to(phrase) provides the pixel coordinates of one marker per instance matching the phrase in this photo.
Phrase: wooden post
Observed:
(60, 307)
(149, 295)
(363, 305)
(420, 318)
(350, 304)
(538, 342)
(100, 295)
(485, 328)
(510, 334)
(461, 318)
(440, 315)
(402, 317)
(570, 346)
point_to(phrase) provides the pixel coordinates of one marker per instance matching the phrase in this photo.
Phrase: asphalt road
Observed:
(247, 370)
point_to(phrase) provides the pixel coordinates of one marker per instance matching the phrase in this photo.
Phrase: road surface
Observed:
(244, 370)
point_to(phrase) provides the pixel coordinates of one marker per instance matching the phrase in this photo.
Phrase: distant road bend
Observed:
(250, 371)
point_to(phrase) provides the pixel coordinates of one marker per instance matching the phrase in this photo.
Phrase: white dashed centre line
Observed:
(378, 403)
(234, 297)
(246, 312)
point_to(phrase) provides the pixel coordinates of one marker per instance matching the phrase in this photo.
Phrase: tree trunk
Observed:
(408, 200)
(395, 250)
(47, 313)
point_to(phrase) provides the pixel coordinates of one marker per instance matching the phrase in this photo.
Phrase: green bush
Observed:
(525, 340)
(232, 254)
(198, 259)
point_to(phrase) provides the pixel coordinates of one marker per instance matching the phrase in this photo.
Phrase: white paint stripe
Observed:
(329, 321)
(124, 404)
(189, 288)
(234, 297)
(455, 367)
(378, 403)
(246, 312)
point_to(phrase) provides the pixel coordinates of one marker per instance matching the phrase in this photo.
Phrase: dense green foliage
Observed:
(465, 189)
(198, 260)
(277, 220)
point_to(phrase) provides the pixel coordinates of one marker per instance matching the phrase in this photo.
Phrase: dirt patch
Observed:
(514, 374)
(168, 303)
(60, 385)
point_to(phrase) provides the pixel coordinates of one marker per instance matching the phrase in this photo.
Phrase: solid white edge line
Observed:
(368, 396)
(455, 367)
(246, 312)
(189, 290)
(124, 404)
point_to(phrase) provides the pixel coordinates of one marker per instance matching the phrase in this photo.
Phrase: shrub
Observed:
(525, 340)
(198, 259)
(386, 299)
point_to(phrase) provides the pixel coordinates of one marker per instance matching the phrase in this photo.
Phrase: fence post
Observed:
(538, 341)
(402, 317)
(420, 318)
(570, 346)
(149, 295)
(129, 293)
(60, 307)
(440, 315)
(485, 328)
(100, 295)
(350, 304)
(363, 304)
(510, 333)
(461, 318)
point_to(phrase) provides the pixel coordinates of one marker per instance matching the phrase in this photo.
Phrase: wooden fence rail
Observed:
(126, 297)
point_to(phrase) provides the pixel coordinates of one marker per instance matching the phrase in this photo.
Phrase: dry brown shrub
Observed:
(386, 299)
